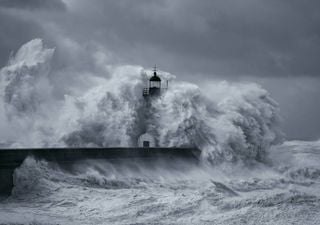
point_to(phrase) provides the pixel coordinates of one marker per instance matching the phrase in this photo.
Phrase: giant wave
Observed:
(239, 121)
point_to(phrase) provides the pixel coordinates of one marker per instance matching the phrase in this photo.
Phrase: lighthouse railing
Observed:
(145, 92)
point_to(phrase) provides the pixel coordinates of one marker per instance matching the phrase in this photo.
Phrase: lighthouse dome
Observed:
(155, 77)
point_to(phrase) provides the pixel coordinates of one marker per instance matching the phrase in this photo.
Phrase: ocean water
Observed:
(248, 173)
(285, 190)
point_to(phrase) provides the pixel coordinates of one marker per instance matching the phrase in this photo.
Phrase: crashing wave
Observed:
(240, 123)
(24, 79)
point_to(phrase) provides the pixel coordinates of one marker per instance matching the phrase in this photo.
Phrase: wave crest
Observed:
(235, 122)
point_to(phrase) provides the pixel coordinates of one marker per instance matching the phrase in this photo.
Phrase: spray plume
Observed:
(238, 122)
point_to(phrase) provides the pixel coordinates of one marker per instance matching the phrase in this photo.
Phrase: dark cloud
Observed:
(15, 31)
(33, 4)
(222, 37)
(259, 38)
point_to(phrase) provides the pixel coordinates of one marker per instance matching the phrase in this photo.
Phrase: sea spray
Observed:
(24, 80)
(240, 123)
(117, 193)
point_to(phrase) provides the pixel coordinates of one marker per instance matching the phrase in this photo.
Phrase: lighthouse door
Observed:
(146, 144)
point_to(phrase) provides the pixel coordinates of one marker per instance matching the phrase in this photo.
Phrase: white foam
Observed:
(239, 121)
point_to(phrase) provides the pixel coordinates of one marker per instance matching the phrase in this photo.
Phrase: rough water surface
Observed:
(286, 191)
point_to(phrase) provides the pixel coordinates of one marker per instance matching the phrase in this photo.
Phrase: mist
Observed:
(234, 122)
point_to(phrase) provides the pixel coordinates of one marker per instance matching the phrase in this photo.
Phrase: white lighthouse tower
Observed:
(150, 93)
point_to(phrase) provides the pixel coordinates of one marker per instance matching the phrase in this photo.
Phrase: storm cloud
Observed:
(33, 4)
(274, 43)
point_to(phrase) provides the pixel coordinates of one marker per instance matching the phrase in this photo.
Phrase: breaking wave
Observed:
(229, 122)
(40, 178)
(179, 193)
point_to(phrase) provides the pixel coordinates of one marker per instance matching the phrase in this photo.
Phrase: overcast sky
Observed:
(275, 43)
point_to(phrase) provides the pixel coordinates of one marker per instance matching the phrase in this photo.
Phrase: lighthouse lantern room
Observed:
(154, 88)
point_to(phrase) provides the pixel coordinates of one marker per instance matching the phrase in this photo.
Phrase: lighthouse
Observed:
(154, 87)
(154, 90)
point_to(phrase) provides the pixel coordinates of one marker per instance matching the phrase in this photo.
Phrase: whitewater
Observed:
(248, 173)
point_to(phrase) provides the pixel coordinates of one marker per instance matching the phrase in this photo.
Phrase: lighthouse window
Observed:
(155, 84)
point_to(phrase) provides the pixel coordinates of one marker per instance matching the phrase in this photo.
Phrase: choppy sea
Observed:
(284, 190)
